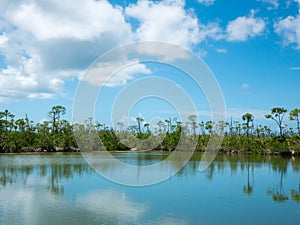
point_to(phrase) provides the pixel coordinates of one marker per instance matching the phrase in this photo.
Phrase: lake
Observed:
(58, 188)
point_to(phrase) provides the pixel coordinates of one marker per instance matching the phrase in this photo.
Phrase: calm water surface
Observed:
(63, 189)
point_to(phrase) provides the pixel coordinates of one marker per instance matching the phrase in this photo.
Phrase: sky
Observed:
(252, 47)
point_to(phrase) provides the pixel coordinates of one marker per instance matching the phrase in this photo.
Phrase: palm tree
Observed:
(55, 114)
(169, 123)
(277, 114)
(147, 125)
(8, 119)
(6, 123)
(248, 118)
(209, 126)
(295, 115)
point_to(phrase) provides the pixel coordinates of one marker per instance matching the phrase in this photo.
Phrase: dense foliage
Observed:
(57, 134)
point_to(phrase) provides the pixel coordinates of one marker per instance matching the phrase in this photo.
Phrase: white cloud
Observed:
(245, 27)
(295, 68)
(40, 95)
(168, 21)
(272, 4)
(201, 53)
(207, 2)
(162, 51)
(221, 50)
(211, 30)
(245, 86)
(15, 84)
(165, 21)
(3, 40)
(47, 42)
(289, 29)
(106, 74)
(85, 20)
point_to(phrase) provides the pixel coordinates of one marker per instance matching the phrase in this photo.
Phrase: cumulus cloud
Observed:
(245, 27)
(289, 29)
(3, 40)
(14, 85)
(207, 2)
(165, 21)
(65, 20)
(45, 43)
(168, 21)
(107, 74)
(162, 52)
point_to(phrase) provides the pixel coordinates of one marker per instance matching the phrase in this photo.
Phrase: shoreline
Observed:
(286, 153)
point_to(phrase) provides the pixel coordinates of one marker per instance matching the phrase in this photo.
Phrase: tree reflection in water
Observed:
(54, 170)
(278, 194)
(17, 169)
(248, 189)
(295, 194)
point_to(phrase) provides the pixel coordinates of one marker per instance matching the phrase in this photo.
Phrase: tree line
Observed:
(57, 134)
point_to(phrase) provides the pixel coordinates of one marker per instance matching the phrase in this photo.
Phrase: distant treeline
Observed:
(57, 134)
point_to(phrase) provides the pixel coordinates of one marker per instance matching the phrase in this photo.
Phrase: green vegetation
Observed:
(57, 134)
(23, 135)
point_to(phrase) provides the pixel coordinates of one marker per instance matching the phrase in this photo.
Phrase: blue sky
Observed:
(252, 47)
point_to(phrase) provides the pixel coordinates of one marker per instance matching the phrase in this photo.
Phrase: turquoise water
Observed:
(63, 189)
